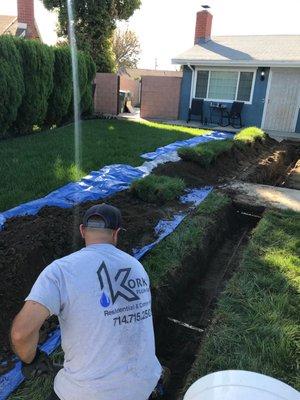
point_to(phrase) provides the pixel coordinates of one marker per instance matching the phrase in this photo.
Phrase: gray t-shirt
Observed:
(102, 298)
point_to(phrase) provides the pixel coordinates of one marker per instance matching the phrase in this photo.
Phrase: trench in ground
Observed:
(178, 345)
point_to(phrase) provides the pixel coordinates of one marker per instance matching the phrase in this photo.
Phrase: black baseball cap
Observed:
(110, 215)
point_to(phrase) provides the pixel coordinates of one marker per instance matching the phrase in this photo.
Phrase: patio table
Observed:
(219, 110)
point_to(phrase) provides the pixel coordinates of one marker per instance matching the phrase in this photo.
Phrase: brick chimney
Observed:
(203, 26)
(26, 18)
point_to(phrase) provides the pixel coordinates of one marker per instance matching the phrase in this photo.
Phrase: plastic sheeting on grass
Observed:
(97, 185)
(187, 143)
(107, 181)
(165, 227)
(12, 379)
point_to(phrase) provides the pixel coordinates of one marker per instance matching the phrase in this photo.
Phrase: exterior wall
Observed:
(252, 113)
(133, 86)
(106, 99)
(297, 130)
(160, 97)
(185, 93)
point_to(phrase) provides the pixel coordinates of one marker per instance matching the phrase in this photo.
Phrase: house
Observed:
(261, 71)
(24, 24)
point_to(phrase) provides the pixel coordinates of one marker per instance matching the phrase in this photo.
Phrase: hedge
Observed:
(38, 67)
(87, 103)
(86, 74)
(36, 85)
(11, 83)
(60, 98)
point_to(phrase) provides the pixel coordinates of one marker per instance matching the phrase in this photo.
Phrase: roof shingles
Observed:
(8, 24)
(275, 48)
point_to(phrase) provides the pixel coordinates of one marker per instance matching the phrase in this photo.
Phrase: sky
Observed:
(166, 27)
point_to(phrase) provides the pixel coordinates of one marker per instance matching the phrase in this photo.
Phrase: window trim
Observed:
(224, 70)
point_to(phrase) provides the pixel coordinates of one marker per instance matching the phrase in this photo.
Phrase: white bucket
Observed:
(240, 385)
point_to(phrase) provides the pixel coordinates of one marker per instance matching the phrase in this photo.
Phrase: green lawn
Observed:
(157, 189)
(206, 154)
(169, 255)
(32, 166)
(256, 324)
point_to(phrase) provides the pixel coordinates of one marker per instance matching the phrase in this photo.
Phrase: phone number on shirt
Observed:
(130, 318)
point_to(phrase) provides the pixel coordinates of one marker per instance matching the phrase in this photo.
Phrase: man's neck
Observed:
(90, 243)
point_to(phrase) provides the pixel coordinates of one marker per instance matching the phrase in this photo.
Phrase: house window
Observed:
(202, 82)
(224, 85)
(245, 86)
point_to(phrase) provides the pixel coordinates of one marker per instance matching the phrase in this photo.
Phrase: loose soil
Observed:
(292, 180)
(28, 244)
(178, 345)
(263, 162)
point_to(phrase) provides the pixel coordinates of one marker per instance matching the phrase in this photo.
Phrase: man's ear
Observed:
(116, 234)
(82, 231)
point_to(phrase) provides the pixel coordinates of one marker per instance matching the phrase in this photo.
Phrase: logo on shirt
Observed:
(119, 285)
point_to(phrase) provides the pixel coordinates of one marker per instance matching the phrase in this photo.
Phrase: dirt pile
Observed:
(29, 244)
(260, 163)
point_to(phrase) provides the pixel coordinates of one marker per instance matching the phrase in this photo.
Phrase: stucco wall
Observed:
(106, 93)
(252, 113)
(160, 97)
(297, 130)
(185, 93)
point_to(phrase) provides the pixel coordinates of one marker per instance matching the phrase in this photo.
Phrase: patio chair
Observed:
(196, 109)
(234, 114)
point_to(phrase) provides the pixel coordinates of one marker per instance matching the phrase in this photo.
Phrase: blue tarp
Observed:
(97, 185)
(105, 182)
(165, 227)
(187, 143)
(10, 381)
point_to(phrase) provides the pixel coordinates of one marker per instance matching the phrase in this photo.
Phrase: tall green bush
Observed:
(61, 96)
(87, 101)
(36, 87)
(86, 74)
(82, 77)
(11, 83)
(38, 66)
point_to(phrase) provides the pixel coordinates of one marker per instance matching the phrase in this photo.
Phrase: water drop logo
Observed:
(104, 300)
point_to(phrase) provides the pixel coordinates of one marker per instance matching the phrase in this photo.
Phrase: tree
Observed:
(126, 48)
(37, 61)
(11, 83)
(60, 98)
(95, 23)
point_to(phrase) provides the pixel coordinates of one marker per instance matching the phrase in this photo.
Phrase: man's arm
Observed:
(25, 330)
